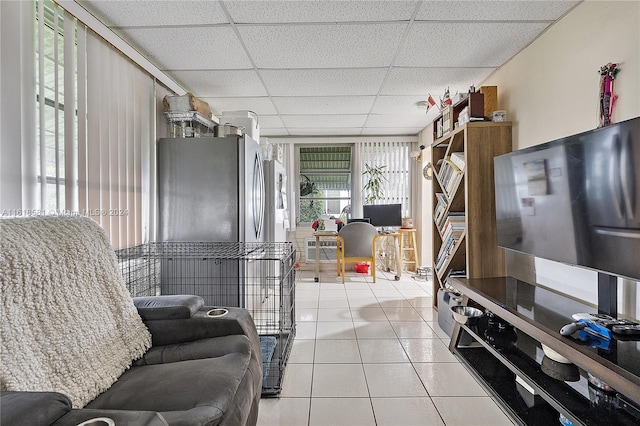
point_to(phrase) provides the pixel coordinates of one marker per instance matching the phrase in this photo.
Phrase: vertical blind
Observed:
(395, 156)
(94, 113)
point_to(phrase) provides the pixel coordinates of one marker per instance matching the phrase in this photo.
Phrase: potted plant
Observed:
(373, 187)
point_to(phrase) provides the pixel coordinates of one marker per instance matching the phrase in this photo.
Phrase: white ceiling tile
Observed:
(322, 46)
(399, 105)
(319, 11)
(190, 48)
(391, 131)
(425, 81)
(477, 44)
(144, 13)
(270, 121)
(325, 131)
(318, 121)
(273, 132)
(260, 106)
(324, 104)
(329, 82)
(513, 10)
(220, 84)
(397, 120)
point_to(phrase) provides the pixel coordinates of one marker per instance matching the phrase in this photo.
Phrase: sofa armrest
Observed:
(202, 326)
(119, 417)
(167, 307)
(32, 408)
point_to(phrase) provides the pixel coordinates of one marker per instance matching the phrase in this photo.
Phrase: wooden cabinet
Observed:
(464, 216)
(446, 122)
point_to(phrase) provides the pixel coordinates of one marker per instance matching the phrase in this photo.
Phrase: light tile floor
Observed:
(373, 354)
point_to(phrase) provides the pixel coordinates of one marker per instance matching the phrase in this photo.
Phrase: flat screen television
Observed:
(575, 200)
(383, 215)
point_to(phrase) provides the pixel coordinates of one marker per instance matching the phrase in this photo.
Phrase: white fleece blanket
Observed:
(68, 322)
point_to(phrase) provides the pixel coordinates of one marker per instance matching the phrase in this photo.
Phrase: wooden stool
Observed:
(408, 245)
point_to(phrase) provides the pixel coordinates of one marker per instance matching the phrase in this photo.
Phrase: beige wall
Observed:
(550, 89)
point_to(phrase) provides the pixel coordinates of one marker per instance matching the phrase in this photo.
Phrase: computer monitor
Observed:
(359, 219)
(384, 215)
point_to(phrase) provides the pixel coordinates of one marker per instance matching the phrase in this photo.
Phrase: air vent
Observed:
(327, 250)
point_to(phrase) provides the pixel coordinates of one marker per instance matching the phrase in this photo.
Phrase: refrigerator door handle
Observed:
(614, 173)
(259, 193)
(628, 233)
(628, 183)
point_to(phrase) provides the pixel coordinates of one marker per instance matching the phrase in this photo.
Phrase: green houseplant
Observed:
(373, 187)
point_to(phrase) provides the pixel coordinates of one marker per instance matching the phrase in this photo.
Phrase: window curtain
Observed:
(82, 141)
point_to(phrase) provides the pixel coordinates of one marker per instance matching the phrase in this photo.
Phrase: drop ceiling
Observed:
(328, 68)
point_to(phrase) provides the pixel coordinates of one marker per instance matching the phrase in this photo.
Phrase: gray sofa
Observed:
(200, 369)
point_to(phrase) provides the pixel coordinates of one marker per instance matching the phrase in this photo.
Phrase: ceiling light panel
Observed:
(319, 11)
(475, 44)
(220, 84)
(493, 10)
(324, 104)
(190, 48)
(147, 13)
(329, 82)
(322, 46)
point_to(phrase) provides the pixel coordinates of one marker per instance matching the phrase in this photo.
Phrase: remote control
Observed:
(602, 319)
(629, 329)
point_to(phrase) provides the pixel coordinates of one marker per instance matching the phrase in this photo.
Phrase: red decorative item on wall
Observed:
(608, 98)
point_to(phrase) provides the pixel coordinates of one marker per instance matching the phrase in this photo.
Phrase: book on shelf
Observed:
(450, 175)
(457, 158)
(453, 222)
(441, 208)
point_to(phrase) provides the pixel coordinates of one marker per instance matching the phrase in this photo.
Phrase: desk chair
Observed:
(356, 243)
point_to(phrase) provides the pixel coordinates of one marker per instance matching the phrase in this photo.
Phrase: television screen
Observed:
(382, 215)
(575, 200)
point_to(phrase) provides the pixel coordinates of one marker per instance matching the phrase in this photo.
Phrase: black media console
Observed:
(506, 354)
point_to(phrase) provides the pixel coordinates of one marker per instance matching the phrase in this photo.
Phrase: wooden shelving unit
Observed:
(469, 197)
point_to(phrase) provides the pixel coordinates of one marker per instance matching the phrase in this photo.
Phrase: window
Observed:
(397, 172)
(325, 181)
(50, 98)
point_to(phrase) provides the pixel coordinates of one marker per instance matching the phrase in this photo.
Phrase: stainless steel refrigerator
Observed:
(210, 189)
(276, 205)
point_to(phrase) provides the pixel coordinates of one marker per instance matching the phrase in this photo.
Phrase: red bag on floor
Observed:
(362, 268)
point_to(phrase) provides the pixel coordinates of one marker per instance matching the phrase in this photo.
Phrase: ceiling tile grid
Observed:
(190, 48)
(222, 83)
(328, 67)
(260, 12)
(137, 13)
(323, 45)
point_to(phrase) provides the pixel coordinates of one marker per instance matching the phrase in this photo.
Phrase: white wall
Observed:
(550, 90)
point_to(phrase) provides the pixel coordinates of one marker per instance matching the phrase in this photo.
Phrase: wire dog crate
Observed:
(259, 277)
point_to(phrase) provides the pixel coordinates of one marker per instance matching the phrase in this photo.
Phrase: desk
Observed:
(333, 234)
(319, 236)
